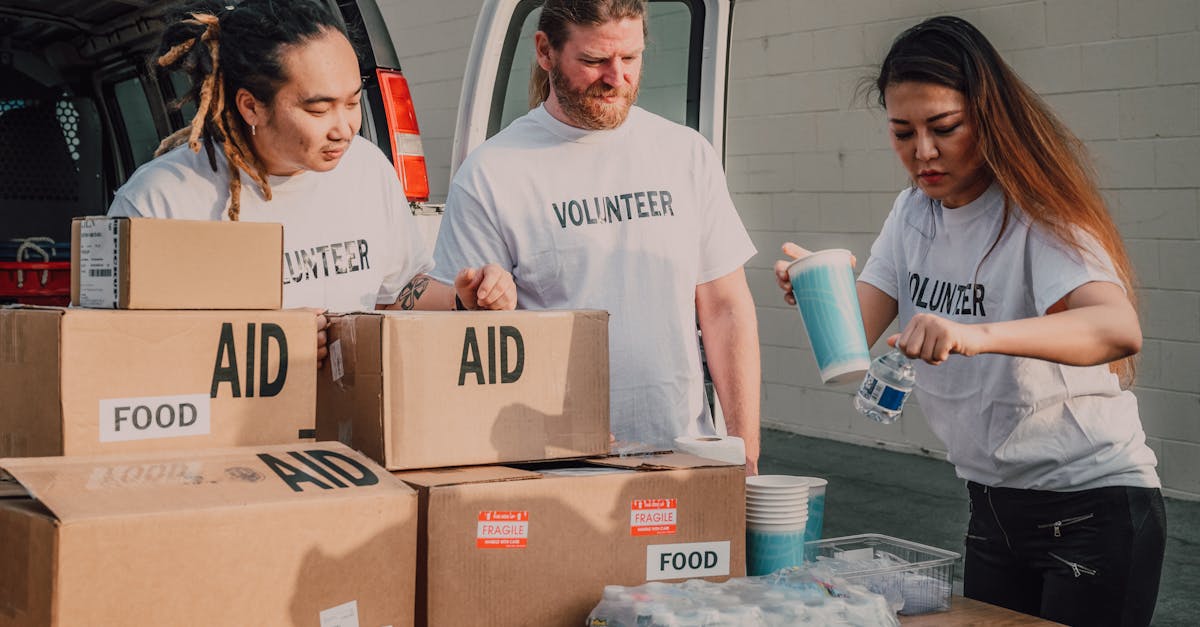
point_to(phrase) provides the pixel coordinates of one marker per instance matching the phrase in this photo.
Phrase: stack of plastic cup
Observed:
(776, 517)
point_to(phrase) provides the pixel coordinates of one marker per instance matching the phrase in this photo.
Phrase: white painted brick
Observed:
(878, 37)
(790, 53)
(1123, 164)
(1157, 17)
(1177, 56)
(1143, 254)
(763, 17)
(1120, 64)
(755, 173)
(1181, 461)
(1177, 162)
(1011, 26)
(807, 407)
(817, 91)
(917, 8)
(846, 212)
(1050, 70)
(1161, 111)
(798, 211)
(1078, 21)
(760, 278)
(1090, 115)
(1155, 445)
(839, 47)
(438, 94)
(402, 13)
(1157, 213)
(754, 209)
(437, 36)
(855, 129)
(818, 172)
(1148, 365)
(1179, 367)
(1169, 315)
(789, 366)
(770, 135)
(873, 171)
(748, 57)
(1180, 268)
(436, 66)
(748, 96)
(861, 11)
(779, 324)
(1169, 415)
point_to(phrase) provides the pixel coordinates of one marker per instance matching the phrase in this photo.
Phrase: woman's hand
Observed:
(794, 252)
(781, 274)
(322, 335)
(933, 339)
(488, 287)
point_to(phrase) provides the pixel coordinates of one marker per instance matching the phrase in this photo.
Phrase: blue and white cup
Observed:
(776, 520)
(823, 283)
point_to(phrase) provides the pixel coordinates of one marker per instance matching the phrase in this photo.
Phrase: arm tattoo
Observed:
(412, 292)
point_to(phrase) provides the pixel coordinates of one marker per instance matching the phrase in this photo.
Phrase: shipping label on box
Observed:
(437, 389)
(575, 532)
(187, 379)
(146, 263)
(302, 534)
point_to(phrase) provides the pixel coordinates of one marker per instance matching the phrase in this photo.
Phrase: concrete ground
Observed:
(917, 498)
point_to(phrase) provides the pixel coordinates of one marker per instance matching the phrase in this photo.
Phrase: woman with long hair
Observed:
(275, 138)
(1015, 301)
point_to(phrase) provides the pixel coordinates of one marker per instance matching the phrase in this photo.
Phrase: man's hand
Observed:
(489, 287)
(322, 335)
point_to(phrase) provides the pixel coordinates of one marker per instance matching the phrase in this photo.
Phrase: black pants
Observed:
(1079, 558)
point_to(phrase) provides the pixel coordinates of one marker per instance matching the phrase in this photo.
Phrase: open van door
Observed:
(684, 68)
(684, 71)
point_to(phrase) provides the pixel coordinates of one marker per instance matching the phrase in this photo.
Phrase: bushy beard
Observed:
(583, 107)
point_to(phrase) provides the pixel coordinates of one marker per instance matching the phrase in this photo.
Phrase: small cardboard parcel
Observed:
(89, 381)
(147, 263)
(433, 389)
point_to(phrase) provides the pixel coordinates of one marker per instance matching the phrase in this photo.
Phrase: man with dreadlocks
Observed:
(275, 139)
(595, 203)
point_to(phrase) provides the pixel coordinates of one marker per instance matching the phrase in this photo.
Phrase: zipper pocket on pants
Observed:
(1078, 569)
(1066, 522)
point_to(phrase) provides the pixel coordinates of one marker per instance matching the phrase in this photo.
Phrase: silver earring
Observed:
(252, 130)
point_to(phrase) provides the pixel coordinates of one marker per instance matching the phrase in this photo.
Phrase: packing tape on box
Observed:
(727, 449)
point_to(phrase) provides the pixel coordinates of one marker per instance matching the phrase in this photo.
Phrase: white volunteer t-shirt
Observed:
(349, 239)
(1008, 421)
(628, 220)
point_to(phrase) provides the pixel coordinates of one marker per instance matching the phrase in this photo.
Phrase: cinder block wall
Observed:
(810, 163)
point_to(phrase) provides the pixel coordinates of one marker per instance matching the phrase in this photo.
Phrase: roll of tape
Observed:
(727, 449)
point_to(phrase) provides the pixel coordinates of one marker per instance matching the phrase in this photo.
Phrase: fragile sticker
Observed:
(653, 517)
(344, 615)
(151, 417)
(502, 530)
(99, 261)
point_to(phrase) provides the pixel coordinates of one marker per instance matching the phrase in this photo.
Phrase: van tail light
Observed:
(407, 152)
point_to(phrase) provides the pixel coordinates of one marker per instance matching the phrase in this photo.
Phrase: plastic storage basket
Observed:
(923, 575)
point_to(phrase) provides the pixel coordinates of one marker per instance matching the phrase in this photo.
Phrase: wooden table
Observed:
(964, 611)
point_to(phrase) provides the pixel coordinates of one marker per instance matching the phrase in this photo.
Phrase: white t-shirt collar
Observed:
(574, 133)
(992, 199)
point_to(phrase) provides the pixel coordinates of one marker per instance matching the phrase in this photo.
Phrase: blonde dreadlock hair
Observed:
(223, 48)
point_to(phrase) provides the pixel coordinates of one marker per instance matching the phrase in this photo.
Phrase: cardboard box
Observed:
(431, 389)
(88, 381)
(285, 535)
(143, 263)
(535, 545)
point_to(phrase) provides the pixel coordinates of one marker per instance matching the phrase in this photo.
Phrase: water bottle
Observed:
(886, 386)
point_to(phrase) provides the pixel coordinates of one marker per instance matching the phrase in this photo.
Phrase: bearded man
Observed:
(595, 203)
